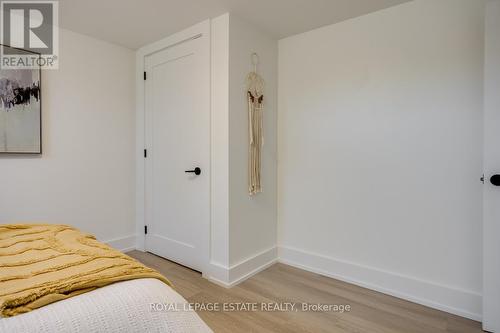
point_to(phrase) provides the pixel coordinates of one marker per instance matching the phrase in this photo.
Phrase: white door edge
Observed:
(491, 194)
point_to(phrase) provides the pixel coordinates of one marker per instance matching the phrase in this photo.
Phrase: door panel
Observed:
(177, 136)
(491, 224)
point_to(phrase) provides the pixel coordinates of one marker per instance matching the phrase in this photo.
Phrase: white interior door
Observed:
(491, 225)
(178, 140)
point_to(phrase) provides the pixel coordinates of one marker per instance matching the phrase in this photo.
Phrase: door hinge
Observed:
(145, 153)
(144, 76)
(146, 229)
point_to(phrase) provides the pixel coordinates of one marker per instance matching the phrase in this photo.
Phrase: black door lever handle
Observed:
(196, 171)
(495, 180)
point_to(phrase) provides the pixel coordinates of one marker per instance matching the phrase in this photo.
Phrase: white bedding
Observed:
(120, 307)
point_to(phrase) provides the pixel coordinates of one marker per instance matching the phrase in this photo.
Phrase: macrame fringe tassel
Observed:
(255, 129)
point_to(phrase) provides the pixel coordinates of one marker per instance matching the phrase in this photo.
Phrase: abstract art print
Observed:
(20, 110)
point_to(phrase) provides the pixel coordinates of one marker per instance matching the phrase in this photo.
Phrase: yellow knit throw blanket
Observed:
(43, 263)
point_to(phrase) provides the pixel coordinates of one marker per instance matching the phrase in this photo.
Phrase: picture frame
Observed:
(20, 109)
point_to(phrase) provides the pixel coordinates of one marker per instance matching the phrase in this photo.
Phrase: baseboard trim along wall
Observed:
(460, 302)
(123, 244)
(231, 276)
(456, 301)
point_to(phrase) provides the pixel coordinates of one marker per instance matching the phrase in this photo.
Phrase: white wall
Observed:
(491, 232)
(243, 228)
(380, 152)
(252, 228)
(85, 176)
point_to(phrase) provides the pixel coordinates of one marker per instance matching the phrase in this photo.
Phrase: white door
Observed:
(491, 225)
(178, 142)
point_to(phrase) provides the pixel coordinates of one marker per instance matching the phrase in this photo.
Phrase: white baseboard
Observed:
(253, 265)
(230, 276)
(456, 301)
(123, 244)
(218, 274)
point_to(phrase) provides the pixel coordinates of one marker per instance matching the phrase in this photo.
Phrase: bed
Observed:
(51, 283)
(119, 307)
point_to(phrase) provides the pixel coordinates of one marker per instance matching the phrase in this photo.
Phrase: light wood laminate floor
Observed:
(371, 311)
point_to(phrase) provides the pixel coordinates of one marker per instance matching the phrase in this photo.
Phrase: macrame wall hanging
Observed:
(255, 97)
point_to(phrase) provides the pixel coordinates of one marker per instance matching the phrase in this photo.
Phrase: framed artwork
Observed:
(20, 110)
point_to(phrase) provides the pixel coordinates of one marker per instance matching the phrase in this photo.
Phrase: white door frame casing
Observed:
(202, 32)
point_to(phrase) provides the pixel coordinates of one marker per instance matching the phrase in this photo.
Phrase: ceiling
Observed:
(134, 23)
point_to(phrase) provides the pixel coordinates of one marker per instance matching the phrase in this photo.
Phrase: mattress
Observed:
(141, 305)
